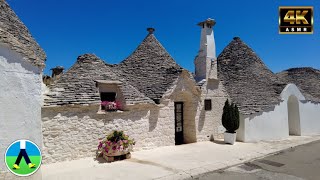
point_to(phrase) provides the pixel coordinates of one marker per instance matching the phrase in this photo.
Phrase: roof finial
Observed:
(150, 30)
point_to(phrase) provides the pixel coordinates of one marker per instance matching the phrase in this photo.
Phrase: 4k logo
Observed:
(296, 20)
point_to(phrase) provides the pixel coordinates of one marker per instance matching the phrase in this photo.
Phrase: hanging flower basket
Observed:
(115, 144)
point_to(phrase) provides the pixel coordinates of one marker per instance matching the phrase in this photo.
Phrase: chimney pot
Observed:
(57, 71)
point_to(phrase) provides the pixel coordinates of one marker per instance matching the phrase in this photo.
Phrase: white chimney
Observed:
(207, 52)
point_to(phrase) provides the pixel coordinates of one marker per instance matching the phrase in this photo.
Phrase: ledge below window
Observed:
(106, 112)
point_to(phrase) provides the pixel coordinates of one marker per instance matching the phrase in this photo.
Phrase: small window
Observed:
(207, 104)
(107, 96)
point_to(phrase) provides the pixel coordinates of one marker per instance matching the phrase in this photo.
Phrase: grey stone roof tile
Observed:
(306, 78)
(150, 68)
(248, 82)
(16, 36)
(78, 86)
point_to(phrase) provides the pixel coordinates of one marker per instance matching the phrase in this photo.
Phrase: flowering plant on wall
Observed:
(115, 144)
(111, 105)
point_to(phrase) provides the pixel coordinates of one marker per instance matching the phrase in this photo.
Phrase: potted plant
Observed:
(111, 105)
(230, 121)
(115, 144)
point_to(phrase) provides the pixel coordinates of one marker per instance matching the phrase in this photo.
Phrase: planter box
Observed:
(118, 153)
(230, 138)
(125, 154)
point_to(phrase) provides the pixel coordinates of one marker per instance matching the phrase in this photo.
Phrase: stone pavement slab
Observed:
(170, 162)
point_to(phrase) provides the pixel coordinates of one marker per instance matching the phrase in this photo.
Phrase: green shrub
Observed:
(230, 117)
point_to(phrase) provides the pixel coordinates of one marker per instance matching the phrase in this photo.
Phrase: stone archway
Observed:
(185, 91)
(292, 95)
(294, 116)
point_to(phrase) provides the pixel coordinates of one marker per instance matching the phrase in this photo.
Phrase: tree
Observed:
(230, 117)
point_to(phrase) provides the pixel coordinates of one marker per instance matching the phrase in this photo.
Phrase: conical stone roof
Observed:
(248, 82)
(150, 68)
(306, 78)
(15, 35)
(77, 85)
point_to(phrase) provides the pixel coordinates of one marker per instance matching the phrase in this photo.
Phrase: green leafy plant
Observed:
(230, 117)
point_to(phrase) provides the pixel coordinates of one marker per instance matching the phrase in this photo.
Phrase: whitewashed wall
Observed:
(294, 116)
(269, 125)
(310, 118)
(20, 101)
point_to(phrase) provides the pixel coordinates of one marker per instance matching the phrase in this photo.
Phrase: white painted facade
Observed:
(20, 101)
(269, 125)
(293, 116)
(310, 118)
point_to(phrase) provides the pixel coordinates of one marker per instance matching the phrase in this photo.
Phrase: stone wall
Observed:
(20, 101)
(199, 124)
(73, 132)
(210, 121)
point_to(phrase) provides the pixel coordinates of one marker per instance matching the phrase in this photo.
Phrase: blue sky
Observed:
(112, 29)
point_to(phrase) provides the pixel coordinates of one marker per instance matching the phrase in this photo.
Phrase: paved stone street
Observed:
(301, 162)
(174, 162)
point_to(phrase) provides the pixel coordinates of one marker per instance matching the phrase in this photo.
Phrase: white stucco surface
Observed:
(289, 90)
(293, 116)
(269, 125)
(310, 118)
(20, 101)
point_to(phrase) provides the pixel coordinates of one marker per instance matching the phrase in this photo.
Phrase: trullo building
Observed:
(164, 104)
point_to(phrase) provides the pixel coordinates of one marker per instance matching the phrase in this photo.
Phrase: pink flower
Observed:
(104, 103)
(114, 147)
(100, 145)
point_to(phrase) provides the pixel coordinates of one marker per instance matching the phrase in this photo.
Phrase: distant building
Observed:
(164, 104)
(21, 63)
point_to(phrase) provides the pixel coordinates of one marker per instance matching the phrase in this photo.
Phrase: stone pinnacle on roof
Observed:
(150, 30)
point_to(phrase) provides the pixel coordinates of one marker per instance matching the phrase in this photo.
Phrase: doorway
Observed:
(294, 116)
(178, 116)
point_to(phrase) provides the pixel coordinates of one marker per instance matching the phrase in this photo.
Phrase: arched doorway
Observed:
(294, 116)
